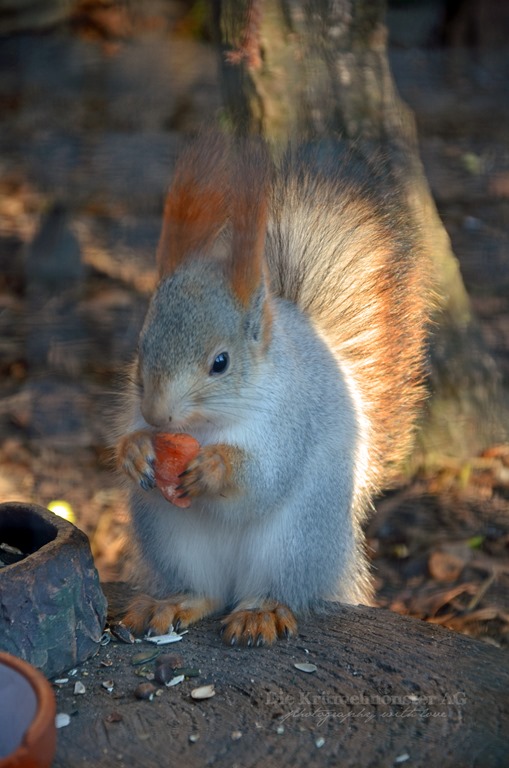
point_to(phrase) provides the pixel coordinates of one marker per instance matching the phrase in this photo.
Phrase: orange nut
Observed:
(173, 454)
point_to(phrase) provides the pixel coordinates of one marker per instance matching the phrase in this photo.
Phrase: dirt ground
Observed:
(93, 114)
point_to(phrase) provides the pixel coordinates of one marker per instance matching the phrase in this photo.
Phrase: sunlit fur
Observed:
(313, 283)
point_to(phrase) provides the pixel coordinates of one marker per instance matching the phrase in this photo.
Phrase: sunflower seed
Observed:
(164, 673)
(145, 691)
(121, 632)
(203, 692)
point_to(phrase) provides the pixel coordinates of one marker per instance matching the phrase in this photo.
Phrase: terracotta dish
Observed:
(27, 716)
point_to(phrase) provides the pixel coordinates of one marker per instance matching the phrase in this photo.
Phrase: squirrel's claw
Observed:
(148, 480)
(205, 474)
(181, 492)
(135, 457)
(146, 613)
(258, 626)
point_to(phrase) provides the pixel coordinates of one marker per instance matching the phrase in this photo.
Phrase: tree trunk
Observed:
(296, 70)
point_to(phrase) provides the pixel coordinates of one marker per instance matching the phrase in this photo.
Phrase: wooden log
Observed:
(388, 690)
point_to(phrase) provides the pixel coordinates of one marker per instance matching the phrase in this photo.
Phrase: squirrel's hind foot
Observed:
(258, 624)
(146, 613)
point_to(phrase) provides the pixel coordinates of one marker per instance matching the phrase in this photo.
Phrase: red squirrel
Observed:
(287, 336)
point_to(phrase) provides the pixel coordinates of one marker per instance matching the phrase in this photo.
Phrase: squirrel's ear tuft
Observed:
(197, 205)
(249, 207)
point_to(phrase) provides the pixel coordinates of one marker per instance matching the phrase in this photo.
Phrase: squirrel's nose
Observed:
(155, 415)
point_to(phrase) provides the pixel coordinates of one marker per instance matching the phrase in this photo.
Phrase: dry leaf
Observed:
(444, 566)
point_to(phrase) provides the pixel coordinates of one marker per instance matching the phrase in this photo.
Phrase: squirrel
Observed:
(287, 335)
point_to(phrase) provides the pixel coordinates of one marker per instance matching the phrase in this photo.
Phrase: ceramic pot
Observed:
(27, 716)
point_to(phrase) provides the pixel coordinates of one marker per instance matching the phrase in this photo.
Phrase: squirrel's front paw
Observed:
(135, 456)
(208, 473)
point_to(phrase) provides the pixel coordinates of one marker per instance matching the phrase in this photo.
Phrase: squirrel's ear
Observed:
(196, 208)
(249, 206)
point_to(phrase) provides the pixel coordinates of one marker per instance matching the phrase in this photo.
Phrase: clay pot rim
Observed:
(45, 704)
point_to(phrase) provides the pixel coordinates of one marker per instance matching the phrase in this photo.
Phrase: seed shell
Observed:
(171, 637)
(175, 681)
(62, 719)
(203, 692)
(145, 656)
(306, 667)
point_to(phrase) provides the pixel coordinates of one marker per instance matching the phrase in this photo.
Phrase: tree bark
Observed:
(385, 686)
(322, 71)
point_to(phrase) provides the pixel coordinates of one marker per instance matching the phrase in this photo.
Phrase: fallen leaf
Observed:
(445, 566)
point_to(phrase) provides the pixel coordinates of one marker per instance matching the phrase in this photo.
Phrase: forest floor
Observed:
(93, 114)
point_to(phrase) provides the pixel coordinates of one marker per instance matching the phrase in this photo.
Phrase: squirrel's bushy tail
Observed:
(347, 256)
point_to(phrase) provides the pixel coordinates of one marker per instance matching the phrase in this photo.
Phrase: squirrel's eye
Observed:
(220, 364)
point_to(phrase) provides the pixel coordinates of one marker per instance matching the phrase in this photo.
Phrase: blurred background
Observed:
(96, 99)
